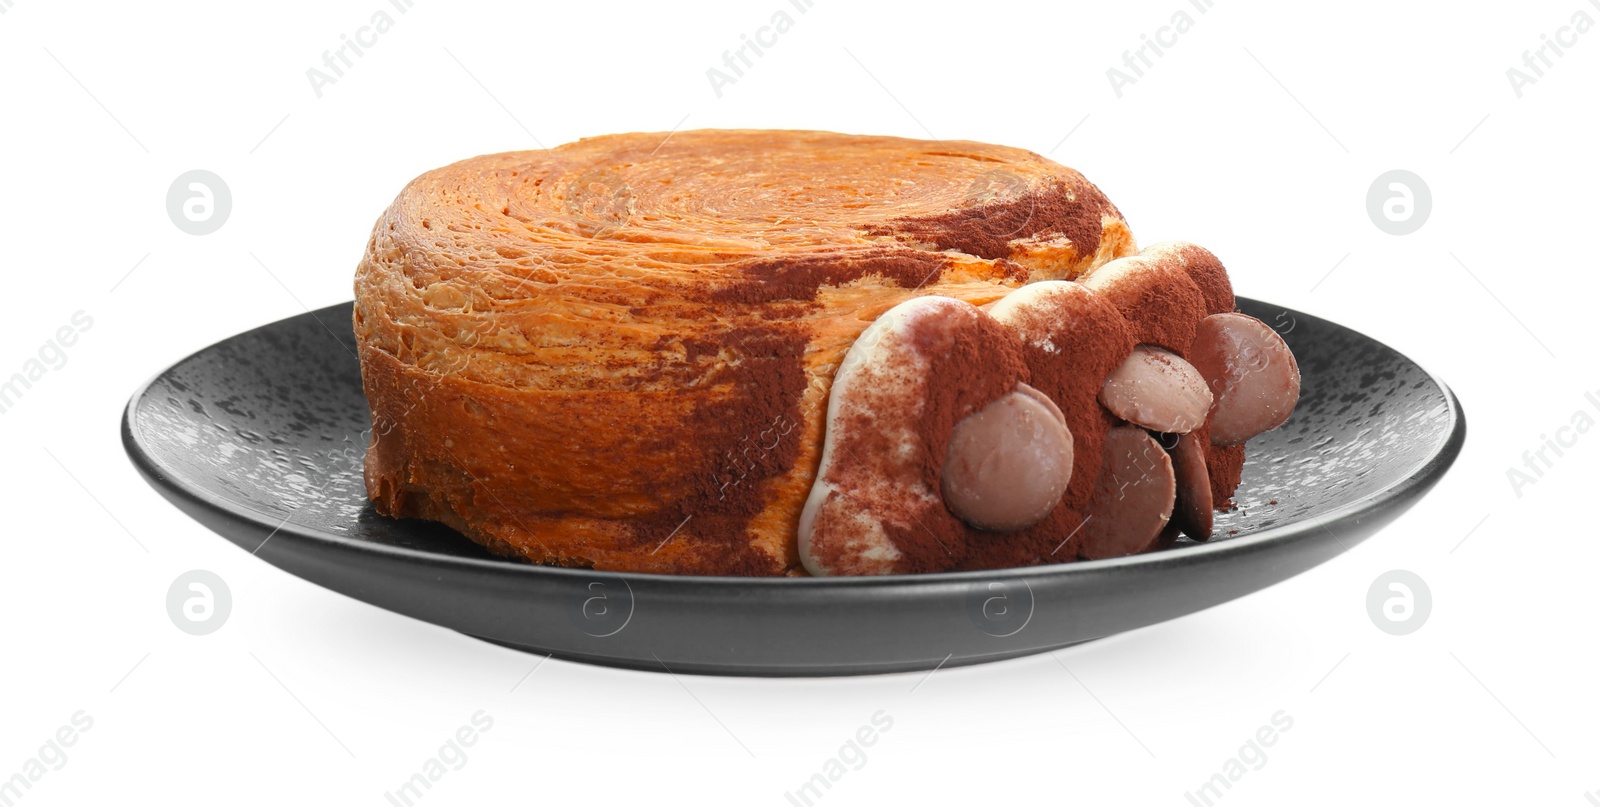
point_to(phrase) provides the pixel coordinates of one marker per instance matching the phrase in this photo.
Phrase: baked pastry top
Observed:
(618, 353)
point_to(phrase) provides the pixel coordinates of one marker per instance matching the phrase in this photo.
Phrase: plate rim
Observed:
(1427, 472)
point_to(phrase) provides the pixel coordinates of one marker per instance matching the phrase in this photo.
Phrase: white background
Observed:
(1256, 135)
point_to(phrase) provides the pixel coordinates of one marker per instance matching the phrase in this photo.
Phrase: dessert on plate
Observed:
(791, 352)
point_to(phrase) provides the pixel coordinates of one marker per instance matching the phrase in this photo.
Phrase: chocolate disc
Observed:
(1158, 390)
(1193, 511)
(1133, 497)
(1009, 462)
(1252, 375)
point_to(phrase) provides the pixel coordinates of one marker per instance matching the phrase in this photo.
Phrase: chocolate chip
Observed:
(1193, 512)
(1133, 497)
(1252, 375)
(1009, 462)
(1158, 390)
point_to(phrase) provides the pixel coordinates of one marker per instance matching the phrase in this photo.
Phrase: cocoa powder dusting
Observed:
(1083, 349)
(974, 364)
(1210, 277)
(799, 278)
(1163, 307)
(1225, 464)
(749, 437)
(974, 370)
(986, 229)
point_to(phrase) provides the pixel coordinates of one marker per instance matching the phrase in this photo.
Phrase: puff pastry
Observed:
(618, 353)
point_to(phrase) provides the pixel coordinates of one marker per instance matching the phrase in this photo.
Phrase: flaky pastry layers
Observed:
(618, 353)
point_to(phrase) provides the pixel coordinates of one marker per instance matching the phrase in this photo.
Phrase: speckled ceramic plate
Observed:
(260, 437)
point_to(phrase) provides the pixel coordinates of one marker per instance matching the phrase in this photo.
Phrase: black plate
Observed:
(260, 438)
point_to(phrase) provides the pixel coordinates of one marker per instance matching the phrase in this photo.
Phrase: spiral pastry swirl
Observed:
(618, 353)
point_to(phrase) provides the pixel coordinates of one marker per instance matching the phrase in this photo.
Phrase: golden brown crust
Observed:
(617, 353)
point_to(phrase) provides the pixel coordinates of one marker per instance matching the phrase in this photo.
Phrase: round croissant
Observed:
(618, 353)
